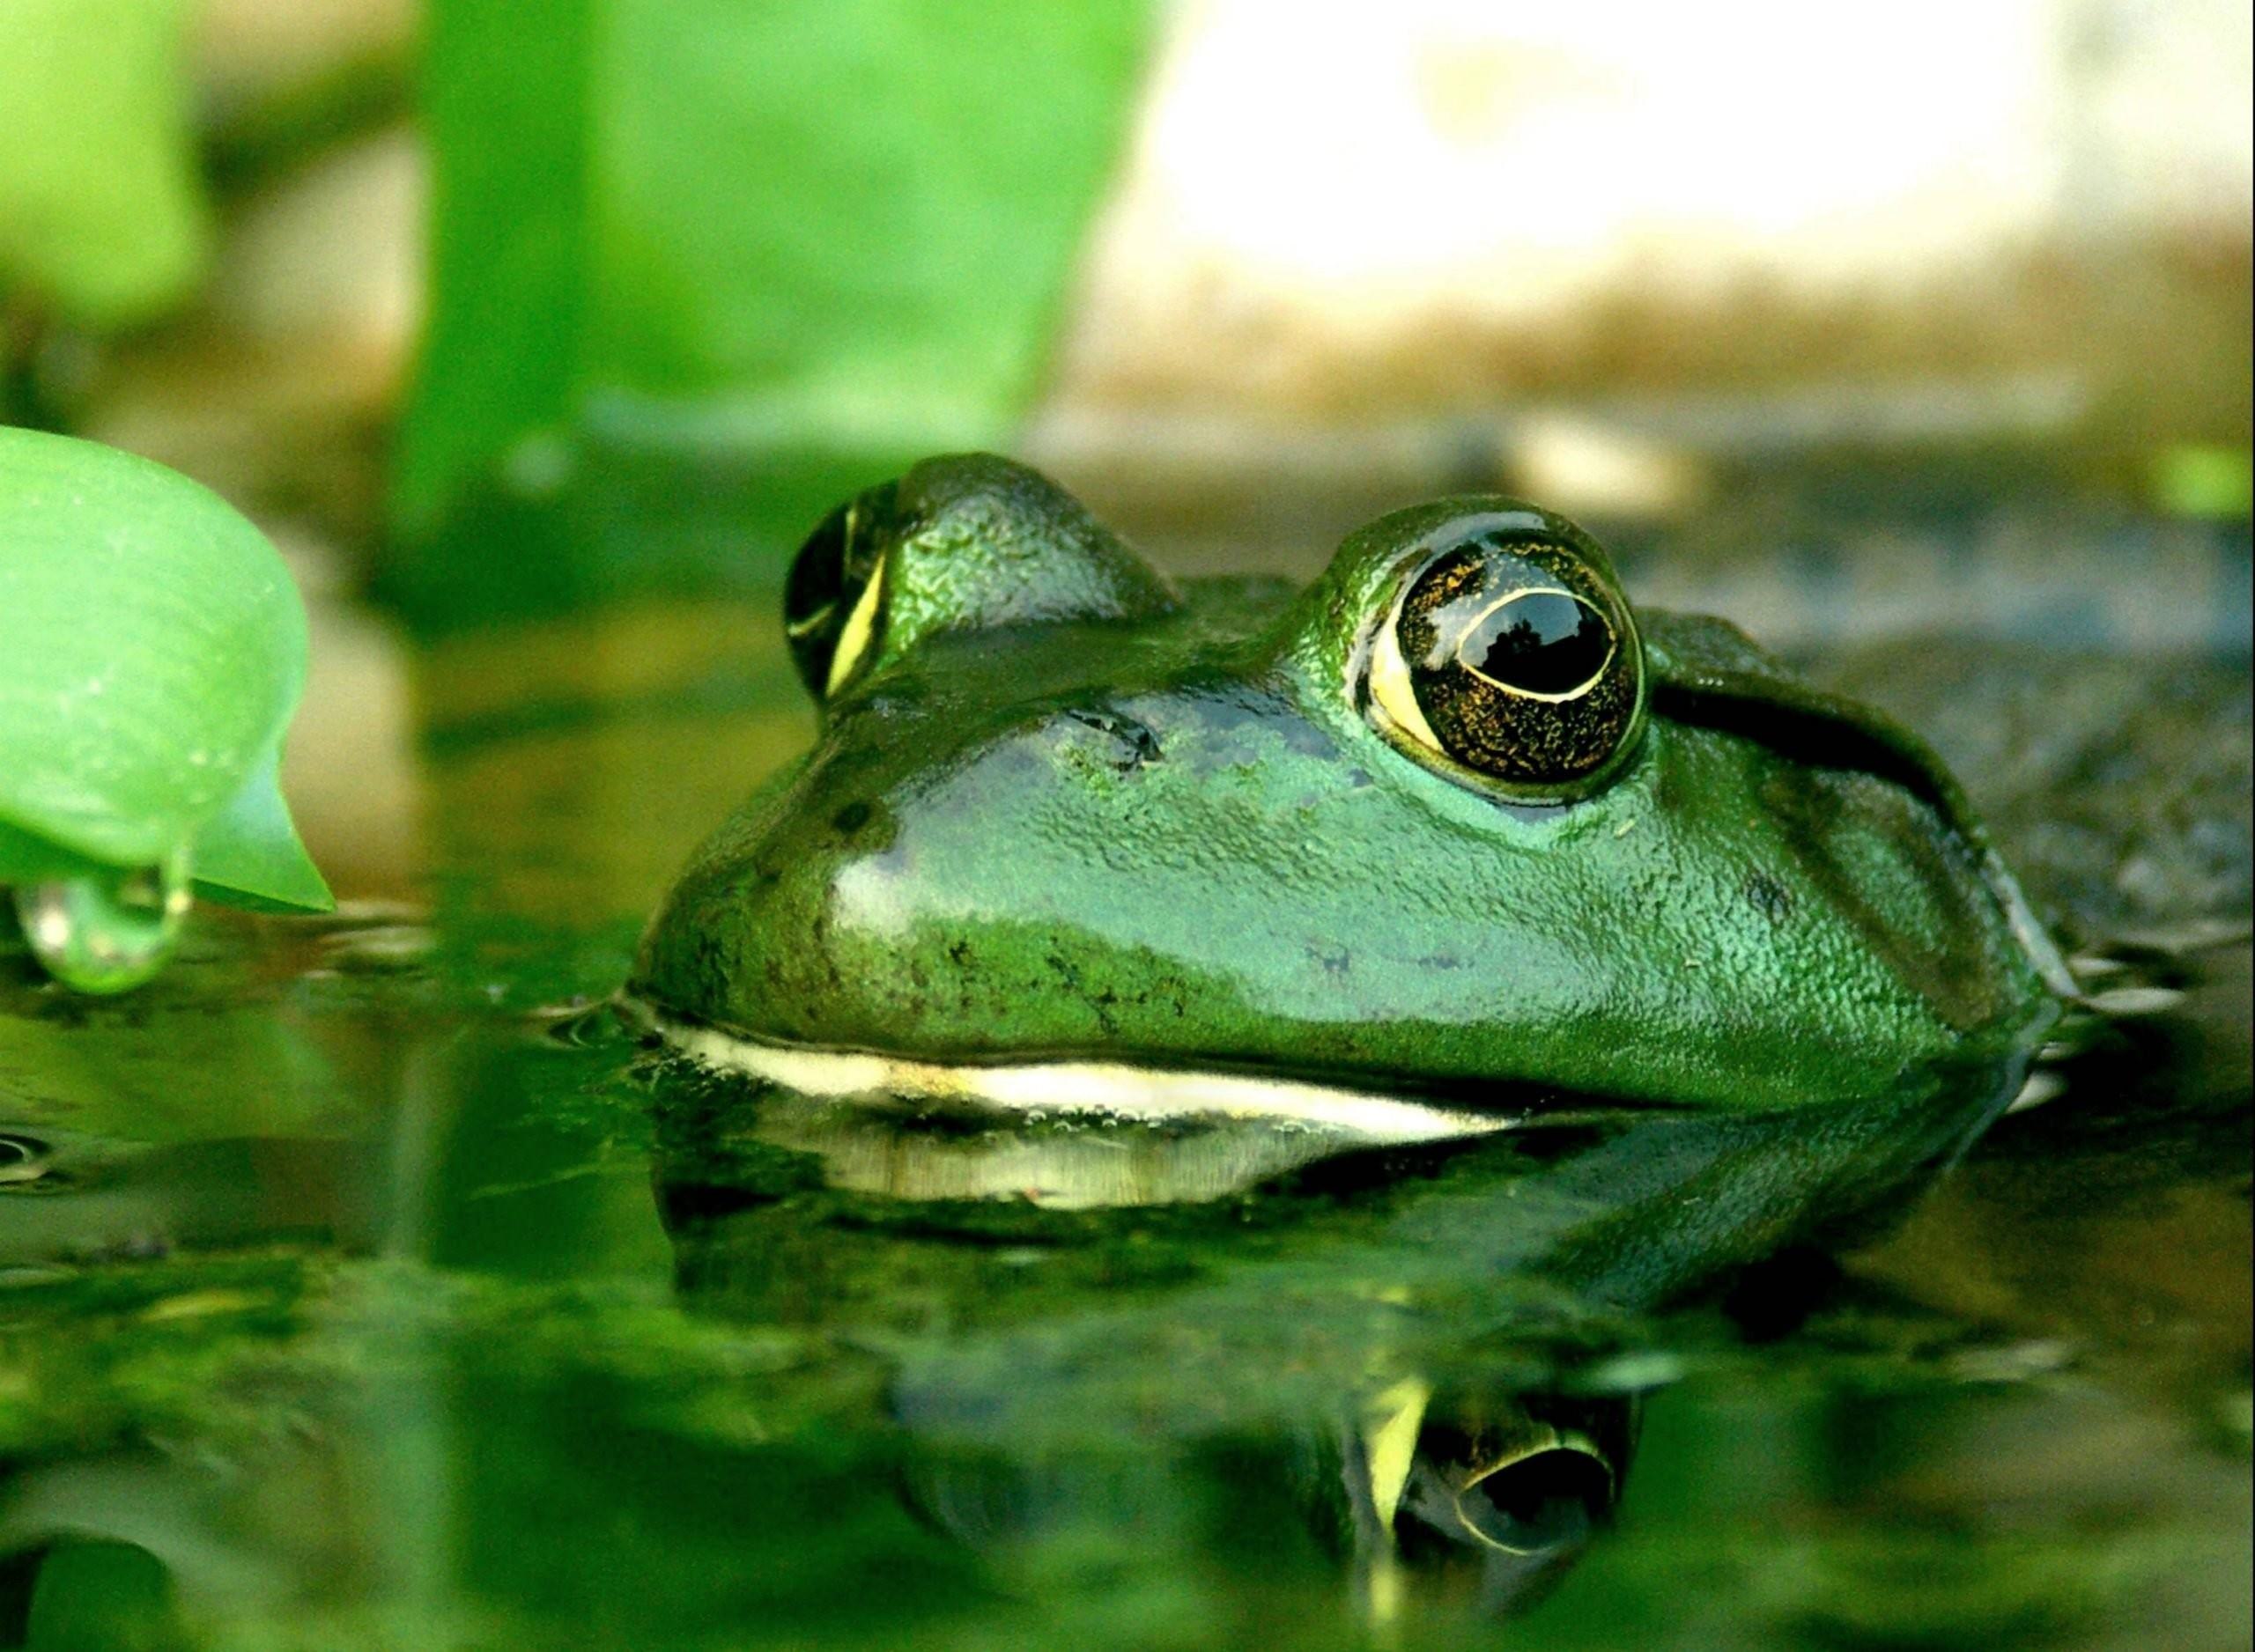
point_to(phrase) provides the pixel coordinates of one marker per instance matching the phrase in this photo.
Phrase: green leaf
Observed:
(25, 858)
(152, 648)
(248, 854)
(509, 113)
(753, 250)
(100, 212)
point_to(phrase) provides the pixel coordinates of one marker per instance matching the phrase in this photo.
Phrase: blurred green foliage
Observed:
(102, 218)
(696, 266)
(2204, 480)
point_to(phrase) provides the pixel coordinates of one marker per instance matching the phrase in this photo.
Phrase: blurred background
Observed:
(1846, 322)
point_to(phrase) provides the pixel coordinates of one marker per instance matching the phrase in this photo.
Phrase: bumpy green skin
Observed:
(1175, 834)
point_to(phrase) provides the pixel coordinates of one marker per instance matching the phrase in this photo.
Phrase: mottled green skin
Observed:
(1171, 832)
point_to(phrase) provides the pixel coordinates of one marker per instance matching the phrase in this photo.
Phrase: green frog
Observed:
(1454, 839)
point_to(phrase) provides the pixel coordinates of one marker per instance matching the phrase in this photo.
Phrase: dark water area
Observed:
(368, 1283)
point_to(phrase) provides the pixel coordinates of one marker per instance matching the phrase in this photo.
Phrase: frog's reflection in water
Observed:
(1505, 1490)
(1477, 1500)
(1231, 1342)
(1066, 1162)
(1256, 1347)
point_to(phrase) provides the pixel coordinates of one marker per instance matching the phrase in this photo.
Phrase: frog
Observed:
(1453, 837)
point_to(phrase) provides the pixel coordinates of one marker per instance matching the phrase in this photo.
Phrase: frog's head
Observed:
(1455, 825)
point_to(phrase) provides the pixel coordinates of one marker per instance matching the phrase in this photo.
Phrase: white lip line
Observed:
(1147, 1095)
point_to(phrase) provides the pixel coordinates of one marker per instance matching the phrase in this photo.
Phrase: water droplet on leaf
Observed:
(107, 932)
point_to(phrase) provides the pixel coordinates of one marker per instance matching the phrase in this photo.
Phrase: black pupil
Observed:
(1545, 642)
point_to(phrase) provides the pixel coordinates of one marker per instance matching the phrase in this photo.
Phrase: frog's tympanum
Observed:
(1452, 835)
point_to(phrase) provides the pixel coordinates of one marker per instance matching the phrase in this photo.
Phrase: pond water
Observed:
(364, 1284)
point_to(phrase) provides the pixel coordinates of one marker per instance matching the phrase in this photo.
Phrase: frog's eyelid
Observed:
(1392, 692)
(860, 628)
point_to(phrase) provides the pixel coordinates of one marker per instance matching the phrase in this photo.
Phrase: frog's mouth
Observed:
(1111, 1090)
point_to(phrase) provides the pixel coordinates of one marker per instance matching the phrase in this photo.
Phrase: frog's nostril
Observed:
(1135, 742)
(833, 601)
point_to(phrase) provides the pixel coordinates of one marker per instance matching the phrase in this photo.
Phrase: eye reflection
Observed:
(1517, 659)
(1550, 643)
(1555, 1497)
(1499, 1490)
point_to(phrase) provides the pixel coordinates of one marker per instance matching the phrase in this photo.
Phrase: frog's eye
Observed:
(1510, 656)
(964, 543)
(833, 599)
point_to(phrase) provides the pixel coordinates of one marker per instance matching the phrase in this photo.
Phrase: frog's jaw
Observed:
(1099, 1089)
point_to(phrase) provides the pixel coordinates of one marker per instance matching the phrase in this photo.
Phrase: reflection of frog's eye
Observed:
(1516, 659)
(833, 599)
(1546, 1500)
